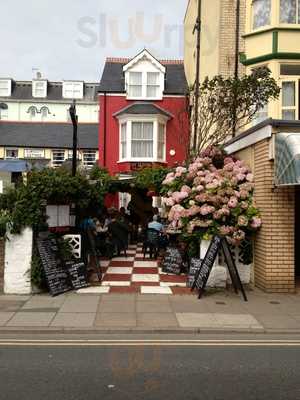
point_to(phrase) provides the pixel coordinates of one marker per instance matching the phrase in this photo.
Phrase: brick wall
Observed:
(227, 36)
(1, 265)
(274, 245)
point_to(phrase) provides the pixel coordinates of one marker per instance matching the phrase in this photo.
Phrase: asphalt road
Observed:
(155, 370)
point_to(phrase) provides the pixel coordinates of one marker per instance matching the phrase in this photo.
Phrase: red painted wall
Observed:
(177, 135)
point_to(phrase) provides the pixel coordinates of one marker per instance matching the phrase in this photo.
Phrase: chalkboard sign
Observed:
(172, 262)
(56, 274)
(195, 265)
(202, 275)
(207, 264)
(233, 272)
(77, 274)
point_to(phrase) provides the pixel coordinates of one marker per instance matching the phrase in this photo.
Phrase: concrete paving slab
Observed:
(44, 302)
(81, 303)
(155, 290)
(5, 317)
(237, 320)
(115, 320)
(116, 307)
(14, 297)
(153, 297)
(74, 320)
(156, 320)
(196, 320)
(10, 305)
(189, 307)
(153, 307)
(31, 319)
(93, 290)
(128, 298)
(278, 322)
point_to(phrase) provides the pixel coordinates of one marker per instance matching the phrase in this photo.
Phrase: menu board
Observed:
(77, 274)
(195, 265)
(172, 262)
(207, 264)
(56, 274)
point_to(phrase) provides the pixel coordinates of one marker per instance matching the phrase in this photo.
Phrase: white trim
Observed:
(144, 54)
(249, 140)
(165, 96)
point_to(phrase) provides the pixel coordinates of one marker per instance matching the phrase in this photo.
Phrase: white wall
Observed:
(17, 111)
(17, 263)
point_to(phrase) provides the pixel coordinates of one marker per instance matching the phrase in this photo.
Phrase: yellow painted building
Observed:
(269, 35)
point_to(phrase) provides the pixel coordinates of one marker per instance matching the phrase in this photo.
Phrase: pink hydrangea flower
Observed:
(233, 202)
(242, 220)
(186, 189)
(256, 223)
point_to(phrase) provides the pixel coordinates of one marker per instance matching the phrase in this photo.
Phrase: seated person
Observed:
(155, 224)
(118, 232)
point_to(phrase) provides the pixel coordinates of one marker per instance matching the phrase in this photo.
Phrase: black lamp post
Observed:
(74, 118)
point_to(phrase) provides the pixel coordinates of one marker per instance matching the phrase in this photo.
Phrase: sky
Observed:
(70, 39)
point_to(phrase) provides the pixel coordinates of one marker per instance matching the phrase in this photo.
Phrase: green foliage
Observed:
(151, 178)
(229, 104)
(37, 272)
(25, 204)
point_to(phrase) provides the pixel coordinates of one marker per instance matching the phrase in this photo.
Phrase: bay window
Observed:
(290, 11)
(142, 139)
(261, 13)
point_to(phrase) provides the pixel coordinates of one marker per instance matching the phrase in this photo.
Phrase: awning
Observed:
(14, 166)
(287, 159)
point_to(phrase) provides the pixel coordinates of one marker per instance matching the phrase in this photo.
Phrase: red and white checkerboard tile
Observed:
(133, 274)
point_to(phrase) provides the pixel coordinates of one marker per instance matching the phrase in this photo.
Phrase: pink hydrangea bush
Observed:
(213, 195)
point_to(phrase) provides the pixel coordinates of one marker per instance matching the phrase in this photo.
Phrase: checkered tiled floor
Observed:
(136, 275)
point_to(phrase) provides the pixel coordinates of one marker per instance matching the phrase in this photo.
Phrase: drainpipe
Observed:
(105, 129)
(236, 59)
(197, 81)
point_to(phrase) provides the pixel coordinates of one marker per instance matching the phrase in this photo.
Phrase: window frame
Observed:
(295, 108)
(260, 27)
(11, 149)
(57, 164)
(145, 85)
(297, 16)
(35, 83)
(66, 90)
(9, 87)
(88, 164)
(128, 120)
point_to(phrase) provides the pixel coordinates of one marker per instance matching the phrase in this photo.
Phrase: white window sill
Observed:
(139, 160)
(144, 98)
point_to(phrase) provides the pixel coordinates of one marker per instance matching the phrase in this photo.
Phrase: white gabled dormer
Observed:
(73, 89)
(144, 77)
(39, 88)
(5, 87)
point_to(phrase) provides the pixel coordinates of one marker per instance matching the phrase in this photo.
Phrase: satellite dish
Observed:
(3, 106)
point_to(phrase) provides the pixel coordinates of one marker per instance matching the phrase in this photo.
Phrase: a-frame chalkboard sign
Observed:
(218, 243)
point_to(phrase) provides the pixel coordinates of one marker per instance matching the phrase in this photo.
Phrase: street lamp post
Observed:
(74, 118)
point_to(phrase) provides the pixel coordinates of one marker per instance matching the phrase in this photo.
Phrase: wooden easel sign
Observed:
(204, 271)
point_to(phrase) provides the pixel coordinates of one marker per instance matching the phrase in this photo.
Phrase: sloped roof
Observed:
(143, 108)
(113, 79)
(47, 135)
(23, 91)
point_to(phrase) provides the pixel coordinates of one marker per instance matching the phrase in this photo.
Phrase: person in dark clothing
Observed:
(118, 232)
(89, 250)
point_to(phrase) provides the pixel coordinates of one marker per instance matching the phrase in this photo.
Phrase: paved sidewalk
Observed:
(216, 312)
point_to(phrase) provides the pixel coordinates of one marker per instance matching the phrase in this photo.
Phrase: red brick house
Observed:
(143, 113)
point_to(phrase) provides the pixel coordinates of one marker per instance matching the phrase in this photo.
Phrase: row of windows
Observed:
(262, 9)
(58, 156)
(70, 90)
